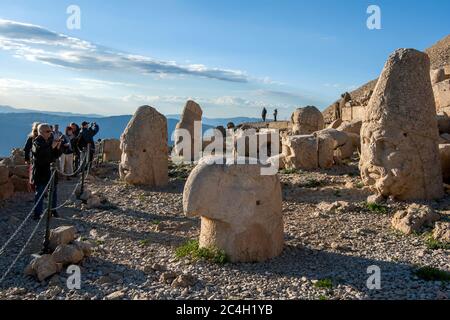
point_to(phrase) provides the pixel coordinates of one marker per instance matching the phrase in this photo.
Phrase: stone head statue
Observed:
(240, 209)
(399, 135)
(144, 149)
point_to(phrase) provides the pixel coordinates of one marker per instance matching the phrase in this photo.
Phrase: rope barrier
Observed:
(2, 250)
(21, 251)
(76, 171)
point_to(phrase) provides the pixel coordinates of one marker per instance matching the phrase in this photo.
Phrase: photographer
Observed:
(86, 137)
(45, 151)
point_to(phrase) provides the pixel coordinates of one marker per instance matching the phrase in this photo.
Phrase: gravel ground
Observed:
(137, 232)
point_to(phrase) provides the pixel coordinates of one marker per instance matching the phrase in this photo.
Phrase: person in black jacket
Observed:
(45, 151)
(74, 143)
(29, 144)
(86, 137)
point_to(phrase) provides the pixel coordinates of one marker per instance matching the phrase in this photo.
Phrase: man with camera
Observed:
(46, 150)
(86, 138)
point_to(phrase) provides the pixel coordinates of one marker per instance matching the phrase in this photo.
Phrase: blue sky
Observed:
(233, 57)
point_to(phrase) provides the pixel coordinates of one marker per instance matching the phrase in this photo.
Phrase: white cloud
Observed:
(36, 43)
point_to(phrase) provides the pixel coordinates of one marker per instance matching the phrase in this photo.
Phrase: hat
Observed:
(84, 123)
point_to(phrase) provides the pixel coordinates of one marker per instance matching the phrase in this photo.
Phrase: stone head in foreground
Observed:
(399, 135)
(240, 209)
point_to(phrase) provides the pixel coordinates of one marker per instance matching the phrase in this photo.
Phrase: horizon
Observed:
(285, 56)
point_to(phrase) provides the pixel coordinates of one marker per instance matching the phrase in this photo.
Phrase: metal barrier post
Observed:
(49, 208)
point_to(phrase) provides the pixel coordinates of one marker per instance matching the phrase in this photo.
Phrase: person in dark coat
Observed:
(45, 151)
(264, 114)
(86, 137)
(74, 143)
(29, 144)
(275, 115)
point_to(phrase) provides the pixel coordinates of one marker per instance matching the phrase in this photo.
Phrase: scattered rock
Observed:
(62, 235)
(183, 281)
(414, 218)
(441, 231)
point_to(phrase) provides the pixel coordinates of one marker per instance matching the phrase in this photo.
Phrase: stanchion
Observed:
(49, 208)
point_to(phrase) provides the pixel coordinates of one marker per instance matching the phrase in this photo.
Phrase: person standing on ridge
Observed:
(275, 114)
(264, 114)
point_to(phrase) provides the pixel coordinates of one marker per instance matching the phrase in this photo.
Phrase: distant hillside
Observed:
(9, 109)
(215, 122)
(14, 127)
(439, 54)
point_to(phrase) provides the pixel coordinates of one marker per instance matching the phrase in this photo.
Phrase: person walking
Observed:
(74, 143)
(264, 114)
(67, 155)
(86, 138)
(46, 151)
(275, 115)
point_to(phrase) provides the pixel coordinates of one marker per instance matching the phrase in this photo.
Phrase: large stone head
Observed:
(399, 136)
(144, 149)
(240, 209)
(307, 120)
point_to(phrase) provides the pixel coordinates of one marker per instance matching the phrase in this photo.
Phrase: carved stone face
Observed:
(388, 159)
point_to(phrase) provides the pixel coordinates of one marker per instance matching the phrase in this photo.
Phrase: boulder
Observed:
(20, 184)
(4, 174)
(111, 150)
(399, 135)
(68, 254)
(84, 246)
(329, 141)
(301, 152)
(240, 209)
(6, 190)
(441, 92)
(437, 75)
(43, 267)
(441, 231)
(18, 157)
(61, 235)
(184, 281)
(414, 218)
(351, 127)
(144, 149)
(191, 122)
(444, 151)
(20, 171)
(307, 120)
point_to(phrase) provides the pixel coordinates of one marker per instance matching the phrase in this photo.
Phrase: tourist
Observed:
(275, 114)
(264, 114)
(56, 133)
(29, 144)
(86, 138)
(67, 156)
(74, 143)
(46, 151)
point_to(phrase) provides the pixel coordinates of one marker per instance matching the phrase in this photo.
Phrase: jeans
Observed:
(39, 189)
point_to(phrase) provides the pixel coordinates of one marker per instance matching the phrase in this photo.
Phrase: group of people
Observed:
(264, 114)
(45, 145)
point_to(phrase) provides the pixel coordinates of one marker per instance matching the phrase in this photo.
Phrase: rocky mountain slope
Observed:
(439, 54)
